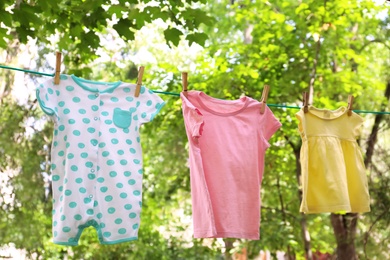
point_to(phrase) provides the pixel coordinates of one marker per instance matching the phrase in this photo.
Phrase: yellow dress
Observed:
(333, 172)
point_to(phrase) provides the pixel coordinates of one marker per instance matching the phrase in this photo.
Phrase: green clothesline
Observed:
(177, 94)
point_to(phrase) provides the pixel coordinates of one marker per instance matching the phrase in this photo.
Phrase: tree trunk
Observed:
(344, 227)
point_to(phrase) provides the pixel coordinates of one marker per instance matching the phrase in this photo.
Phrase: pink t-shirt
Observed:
(228, 140)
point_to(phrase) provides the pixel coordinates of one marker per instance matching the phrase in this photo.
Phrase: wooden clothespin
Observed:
(184, 77)
(305, 102)
(264, 97)
(58, 68)
(139, 81)
(350, 103)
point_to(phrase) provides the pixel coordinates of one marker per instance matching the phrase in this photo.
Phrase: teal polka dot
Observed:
(111, 210)
(74, 168)
(127, 90)
(57, 92)
(105, 153)
(110, 162)
(72, 205)
(135, 117)
(149, 103)
(91, 130)
(113, 173)
(91, 176)
(82, 190)
(105, 113)
(138, 103)
(77, 217)
(89, 164)
(65, 137)
(136, 161)
(128, 141)
(63, 77)
(135, 226)
(55, 143)
(94, 142)
(61, 188)
(95, 203)
(79, 180)
(47, 97)
(126, 130)
(70, 156)
(90, 211)
(50, 91)
(102, 145)
(132, 150)
(108, 122)
(130, 99)
(87, 200)
(107, 234)
(99, 215)
(55, 233)
(114, 141)
(138, 139)
(121, 152)
(61, 153)
(66, 111)
(100, 179)
(63, 217)
(82, 111)
(61, 198)
(102, 225)
(86, 120)
(71, 121)
(127, 173)
(143, 115)
(118, 221)
(122, 231)
(119, 185)
(128, 206)
(67, 145)
(131, 181)
(55, 223)
(92, 96)
(108, 198)
(76, 99)
(112, 130)
(141, 171)
(66, 229)
(142, 90)
(136, 192)
(114, 99)
(55, 132)
(123, 162)
(83, 155)
(103, 189)
(65, 180)
(140, 203)
(95, 108)
(61, 128)
(76, 132)
(100, 133)
(61, 103)
(123, 195)
(68, 192)
(132, 215)
(101, 103)
(69, 88)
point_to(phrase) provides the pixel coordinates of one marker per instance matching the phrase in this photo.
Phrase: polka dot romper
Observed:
(96, 156)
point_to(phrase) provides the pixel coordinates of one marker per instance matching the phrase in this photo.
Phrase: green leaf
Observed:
(6, 18)
(123, 29)
(199, 38)
(172, 35)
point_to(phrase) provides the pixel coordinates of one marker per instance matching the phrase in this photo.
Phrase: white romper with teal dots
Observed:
(96, 156)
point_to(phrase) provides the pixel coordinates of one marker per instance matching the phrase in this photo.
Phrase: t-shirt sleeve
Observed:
(149, 105)
(271, 124)
(193, 118)
(47, 97)
(357, 131)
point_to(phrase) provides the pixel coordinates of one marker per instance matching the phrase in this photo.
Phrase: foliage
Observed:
(339, 44)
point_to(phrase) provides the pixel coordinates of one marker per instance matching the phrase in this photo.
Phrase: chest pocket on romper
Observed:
(122, 118)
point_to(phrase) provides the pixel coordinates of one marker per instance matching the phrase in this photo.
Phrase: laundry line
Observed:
(178, 94)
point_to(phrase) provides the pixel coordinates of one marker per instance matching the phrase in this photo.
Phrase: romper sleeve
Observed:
(47, 97)
(358, 122)
(193, 118)
(149, 105)
(271, 124)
